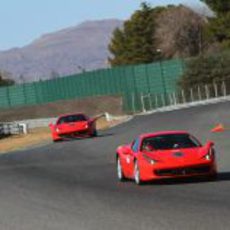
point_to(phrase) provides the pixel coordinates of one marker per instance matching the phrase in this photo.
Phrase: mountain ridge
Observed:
(64, 52)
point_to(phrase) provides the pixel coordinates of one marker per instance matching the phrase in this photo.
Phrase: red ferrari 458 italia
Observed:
(73, 125)
(169, 154)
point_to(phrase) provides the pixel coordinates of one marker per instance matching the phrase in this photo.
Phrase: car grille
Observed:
(73, 134)
(183, 171)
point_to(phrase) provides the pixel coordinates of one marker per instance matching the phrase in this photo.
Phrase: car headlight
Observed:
(210, 155)
(207, 157)
(149, 159)
(57, 130)
(86, 126)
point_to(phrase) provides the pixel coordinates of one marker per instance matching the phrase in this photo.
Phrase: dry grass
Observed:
(16, 142)
(38, 136)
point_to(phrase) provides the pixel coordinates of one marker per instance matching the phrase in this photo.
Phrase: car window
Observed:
(171, 141)
(135, 145)
(72, 118)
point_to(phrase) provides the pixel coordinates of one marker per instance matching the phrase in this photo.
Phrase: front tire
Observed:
(57, 140)
(120, 174)
(137, 177)
(94, 134)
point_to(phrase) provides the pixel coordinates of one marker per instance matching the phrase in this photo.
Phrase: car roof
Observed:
(158, 133)
(71, 114)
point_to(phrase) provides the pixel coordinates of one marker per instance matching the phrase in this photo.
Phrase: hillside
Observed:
(68, 51)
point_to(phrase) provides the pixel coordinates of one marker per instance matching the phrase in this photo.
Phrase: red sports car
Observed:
(73, 125)
(168, 154)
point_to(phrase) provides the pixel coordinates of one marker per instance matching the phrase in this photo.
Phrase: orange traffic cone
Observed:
(218, 128)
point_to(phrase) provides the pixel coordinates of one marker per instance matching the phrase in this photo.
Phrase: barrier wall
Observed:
(128, 81)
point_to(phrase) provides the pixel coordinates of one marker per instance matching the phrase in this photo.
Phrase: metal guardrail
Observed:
(201, 94)
(7, 129)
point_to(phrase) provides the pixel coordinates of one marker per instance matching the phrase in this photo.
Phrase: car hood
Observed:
(178, 155)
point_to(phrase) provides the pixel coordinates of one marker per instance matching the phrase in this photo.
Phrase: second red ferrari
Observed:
(169, 154)
(73, 125)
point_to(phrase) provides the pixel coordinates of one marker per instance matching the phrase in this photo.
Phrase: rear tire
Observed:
(120, 174)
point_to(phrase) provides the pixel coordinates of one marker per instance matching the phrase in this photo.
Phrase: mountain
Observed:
(68, 51)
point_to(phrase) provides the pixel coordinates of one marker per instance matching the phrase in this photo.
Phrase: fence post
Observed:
(143, 104)
(156, 101)
(207, 92)
(133, 103)
(174, 98)
(215, 89)
(224, 89)
(150, 102)
(183, 96)
(199, 93)
(163, 99)
(191, 94)
(170, 99)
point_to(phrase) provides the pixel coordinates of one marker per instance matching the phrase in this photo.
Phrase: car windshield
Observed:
(170, 141)
(72, 118)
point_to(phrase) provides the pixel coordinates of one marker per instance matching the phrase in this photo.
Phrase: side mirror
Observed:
(210, 143)
(127, 150)
(51, 125)
(92, 120)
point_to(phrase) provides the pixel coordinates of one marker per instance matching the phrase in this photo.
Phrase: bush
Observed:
(206, 69)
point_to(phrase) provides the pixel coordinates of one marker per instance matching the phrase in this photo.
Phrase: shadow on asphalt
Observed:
(222, 176)
(105, 135)
(66, 139)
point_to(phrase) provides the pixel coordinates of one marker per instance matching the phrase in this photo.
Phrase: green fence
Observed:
(128, 81)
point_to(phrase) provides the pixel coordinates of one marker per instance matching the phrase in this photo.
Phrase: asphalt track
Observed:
(73, 186)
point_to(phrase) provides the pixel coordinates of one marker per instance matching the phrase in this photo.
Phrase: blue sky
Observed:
(22, 21)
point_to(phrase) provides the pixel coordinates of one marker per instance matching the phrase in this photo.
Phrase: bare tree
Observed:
(180, 32)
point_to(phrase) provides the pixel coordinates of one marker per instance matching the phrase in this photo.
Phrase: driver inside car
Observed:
(147, 147)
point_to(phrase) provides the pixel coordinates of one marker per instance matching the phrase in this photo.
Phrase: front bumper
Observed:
(184, 171)
(73, 133)
(152, 172)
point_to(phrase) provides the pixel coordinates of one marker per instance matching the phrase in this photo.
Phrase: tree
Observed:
(206, 69)
(6, 82)
(220, 29)
(134, 44)
(5, 79)
(218, 6)
(180, 32)
(219, 26)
